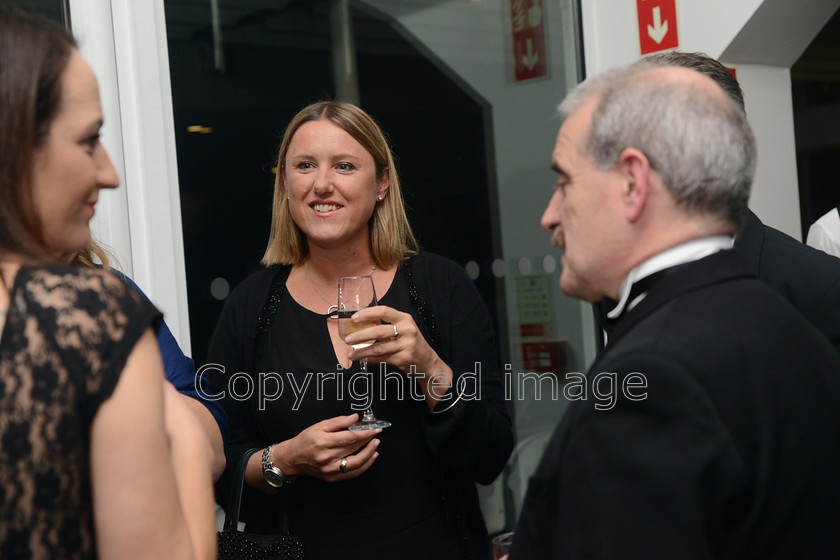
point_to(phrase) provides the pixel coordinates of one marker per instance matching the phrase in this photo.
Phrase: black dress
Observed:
(333, 516)
(67, 336)
(420, 494)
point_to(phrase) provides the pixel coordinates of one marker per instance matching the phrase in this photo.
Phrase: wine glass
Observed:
(355, 293)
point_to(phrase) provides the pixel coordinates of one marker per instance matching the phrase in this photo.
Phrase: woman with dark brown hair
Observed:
(100, 457)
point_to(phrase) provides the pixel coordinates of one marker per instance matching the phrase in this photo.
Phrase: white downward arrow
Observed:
(658, 30)
(530, 58)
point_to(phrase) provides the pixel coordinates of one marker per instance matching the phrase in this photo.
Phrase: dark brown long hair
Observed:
(33, 55)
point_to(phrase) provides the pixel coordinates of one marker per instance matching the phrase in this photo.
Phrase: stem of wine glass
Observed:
(368, 414)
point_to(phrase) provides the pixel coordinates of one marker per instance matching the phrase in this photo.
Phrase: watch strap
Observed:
(266, 458)
(268, 467)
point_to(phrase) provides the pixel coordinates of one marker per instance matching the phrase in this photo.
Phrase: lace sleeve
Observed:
(92, 322)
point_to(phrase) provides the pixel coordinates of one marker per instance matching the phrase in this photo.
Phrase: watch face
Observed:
(274, 478)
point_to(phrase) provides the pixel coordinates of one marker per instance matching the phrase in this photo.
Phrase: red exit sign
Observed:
(530, 54)
(657, 25)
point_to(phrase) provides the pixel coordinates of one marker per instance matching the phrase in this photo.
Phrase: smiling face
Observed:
(584, 213)
(71, 165)
(332, 185)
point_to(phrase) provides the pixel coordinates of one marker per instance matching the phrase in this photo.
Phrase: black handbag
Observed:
(239, 545)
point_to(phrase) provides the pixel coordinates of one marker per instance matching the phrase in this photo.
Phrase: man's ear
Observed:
(635, 170)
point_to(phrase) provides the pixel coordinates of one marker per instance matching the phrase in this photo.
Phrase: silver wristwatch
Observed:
(272, 474)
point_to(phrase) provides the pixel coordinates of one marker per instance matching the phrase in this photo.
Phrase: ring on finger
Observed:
(396, 332)
(343, 466)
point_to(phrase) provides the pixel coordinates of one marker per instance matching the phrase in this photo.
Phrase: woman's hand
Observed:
(401, 344)
(318, 450)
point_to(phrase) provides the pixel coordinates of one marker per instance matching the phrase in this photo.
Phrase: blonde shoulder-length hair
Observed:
(92, 253)
(391, 238)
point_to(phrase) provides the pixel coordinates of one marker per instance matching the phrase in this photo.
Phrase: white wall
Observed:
(761, 39)
(775, 193)
(611, 35)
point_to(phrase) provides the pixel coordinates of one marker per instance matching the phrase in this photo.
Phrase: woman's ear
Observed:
(384, 185)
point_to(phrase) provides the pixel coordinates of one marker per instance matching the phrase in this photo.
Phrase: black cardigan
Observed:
(471, 442)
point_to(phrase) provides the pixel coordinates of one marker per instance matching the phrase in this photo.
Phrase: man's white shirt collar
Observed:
(687, 252)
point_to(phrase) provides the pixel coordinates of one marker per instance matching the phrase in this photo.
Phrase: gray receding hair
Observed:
(594, 86)
(700, 143)
(704, 64)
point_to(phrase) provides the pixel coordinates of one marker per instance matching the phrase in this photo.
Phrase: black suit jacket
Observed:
(733, 453)
(806, 277)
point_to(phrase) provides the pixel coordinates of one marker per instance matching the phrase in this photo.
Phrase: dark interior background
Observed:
(815, 81)
(50, 9)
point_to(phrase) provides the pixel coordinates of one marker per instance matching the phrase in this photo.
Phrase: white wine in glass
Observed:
(356, 293)
(346, 327)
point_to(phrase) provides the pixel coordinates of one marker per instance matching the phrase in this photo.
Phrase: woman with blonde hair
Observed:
(100, 459)
(338, 211)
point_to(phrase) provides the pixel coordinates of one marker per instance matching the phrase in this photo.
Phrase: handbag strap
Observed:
(235, 498)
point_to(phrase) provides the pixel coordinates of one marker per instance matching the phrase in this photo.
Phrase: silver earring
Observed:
(380, 198)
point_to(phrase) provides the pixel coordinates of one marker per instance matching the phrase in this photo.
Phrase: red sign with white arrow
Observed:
(529, 50)
(657, 25)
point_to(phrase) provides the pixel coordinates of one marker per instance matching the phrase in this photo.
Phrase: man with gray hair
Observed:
(809, 279)
(722, 441)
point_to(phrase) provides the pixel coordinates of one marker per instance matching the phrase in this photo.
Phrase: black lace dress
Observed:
(67, 335)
